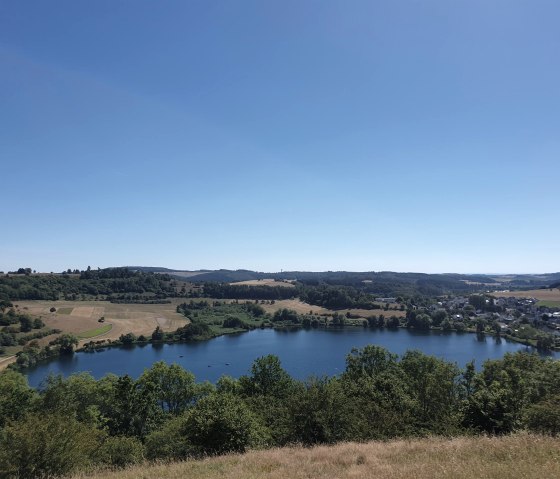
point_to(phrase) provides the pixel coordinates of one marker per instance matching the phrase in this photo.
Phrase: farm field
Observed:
(544, 296)
(304, 308)
(81, 317)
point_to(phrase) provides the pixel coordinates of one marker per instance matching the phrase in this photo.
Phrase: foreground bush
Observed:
(45, 446)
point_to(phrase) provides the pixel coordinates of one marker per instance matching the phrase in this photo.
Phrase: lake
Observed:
(303, 352)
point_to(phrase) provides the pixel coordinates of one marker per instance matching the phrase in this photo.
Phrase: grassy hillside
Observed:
(521, 456)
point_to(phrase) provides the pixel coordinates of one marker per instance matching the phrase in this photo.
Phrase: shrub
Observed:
(121, 451)
(46, 445)
(222, 423)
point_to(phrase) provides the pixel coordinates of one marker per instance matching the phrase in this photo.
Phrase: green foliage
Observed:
(46, 445)
(117, 282)
(135, 409)
(158, 334)
(222, 423)
(544, 416)
(76, 422)
(234, 322)
(433, 388)
(169, 441)
(287, 315)
(120, 451)
(321, 413)
(268, 378)
(174, 388)
(65, 343)
(16, 397)
(243, 291)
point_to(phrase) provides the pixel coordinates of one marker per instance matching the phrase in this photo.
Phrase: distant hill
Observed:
(382, 282)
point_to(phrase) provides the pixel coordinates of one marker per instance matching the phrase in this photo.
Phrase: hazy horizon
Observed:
(364, 136)
(261, 271)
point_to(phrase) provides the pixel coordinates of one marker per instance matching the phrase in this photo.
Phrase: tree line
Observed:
(105, 282)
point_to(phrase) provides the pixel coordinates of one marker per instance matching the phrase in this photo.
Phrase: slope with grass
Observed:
(523, 455)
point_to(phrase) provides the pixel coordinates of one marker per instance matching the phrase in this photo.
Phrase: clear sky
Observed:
(312, 135)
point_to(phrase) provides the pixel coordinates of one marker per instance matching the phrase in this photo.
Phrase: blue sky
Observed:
(311, 135)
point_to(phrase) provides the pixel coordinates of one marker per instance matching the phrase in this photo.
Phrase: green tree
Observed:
(135, 410)
(66, 343)
(16, 397)
(369, 361)
(158, 334)
(322, 413)
(174, 387)
(267, 378)
(433, 384)
(222, 423)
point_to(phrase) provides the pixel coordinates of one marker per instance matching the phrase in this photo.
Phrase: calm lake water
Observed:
(303, 352)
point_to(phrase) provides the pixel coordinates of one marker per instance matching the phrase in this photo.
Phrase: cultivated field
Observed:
(81, 317)
(265, 282)
(520, 456)
(541, 294)
(546, 297)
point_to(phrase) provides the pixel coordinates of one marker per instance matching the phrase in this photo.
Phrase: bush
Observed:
(121, 451)
(169, 441)
(46, 445)
(222, 423)
(234, 322)
(544, 417)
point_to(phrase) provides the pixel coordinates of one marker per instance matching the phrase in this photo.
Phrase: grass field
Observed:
(95, 332)
(520, 456)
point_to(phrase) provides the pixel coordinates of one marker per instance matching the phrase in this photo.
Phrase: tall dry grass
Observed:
(519, 456)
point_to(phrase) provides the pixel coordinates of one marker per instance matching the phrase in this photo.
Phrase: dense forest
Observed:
(107, 283)
(80, 423)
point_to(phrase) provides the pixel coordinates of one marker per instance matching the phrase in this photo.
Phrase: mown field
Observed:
(518, 456)
(546, 297)
(305, 308)
(82, 317)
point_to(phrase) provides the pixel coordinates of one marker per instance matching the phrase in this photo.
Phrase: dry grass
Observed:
(82, 317)
(265, 282)
(540, 294)
(304, 308)
(520, 456)
(296, 305)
